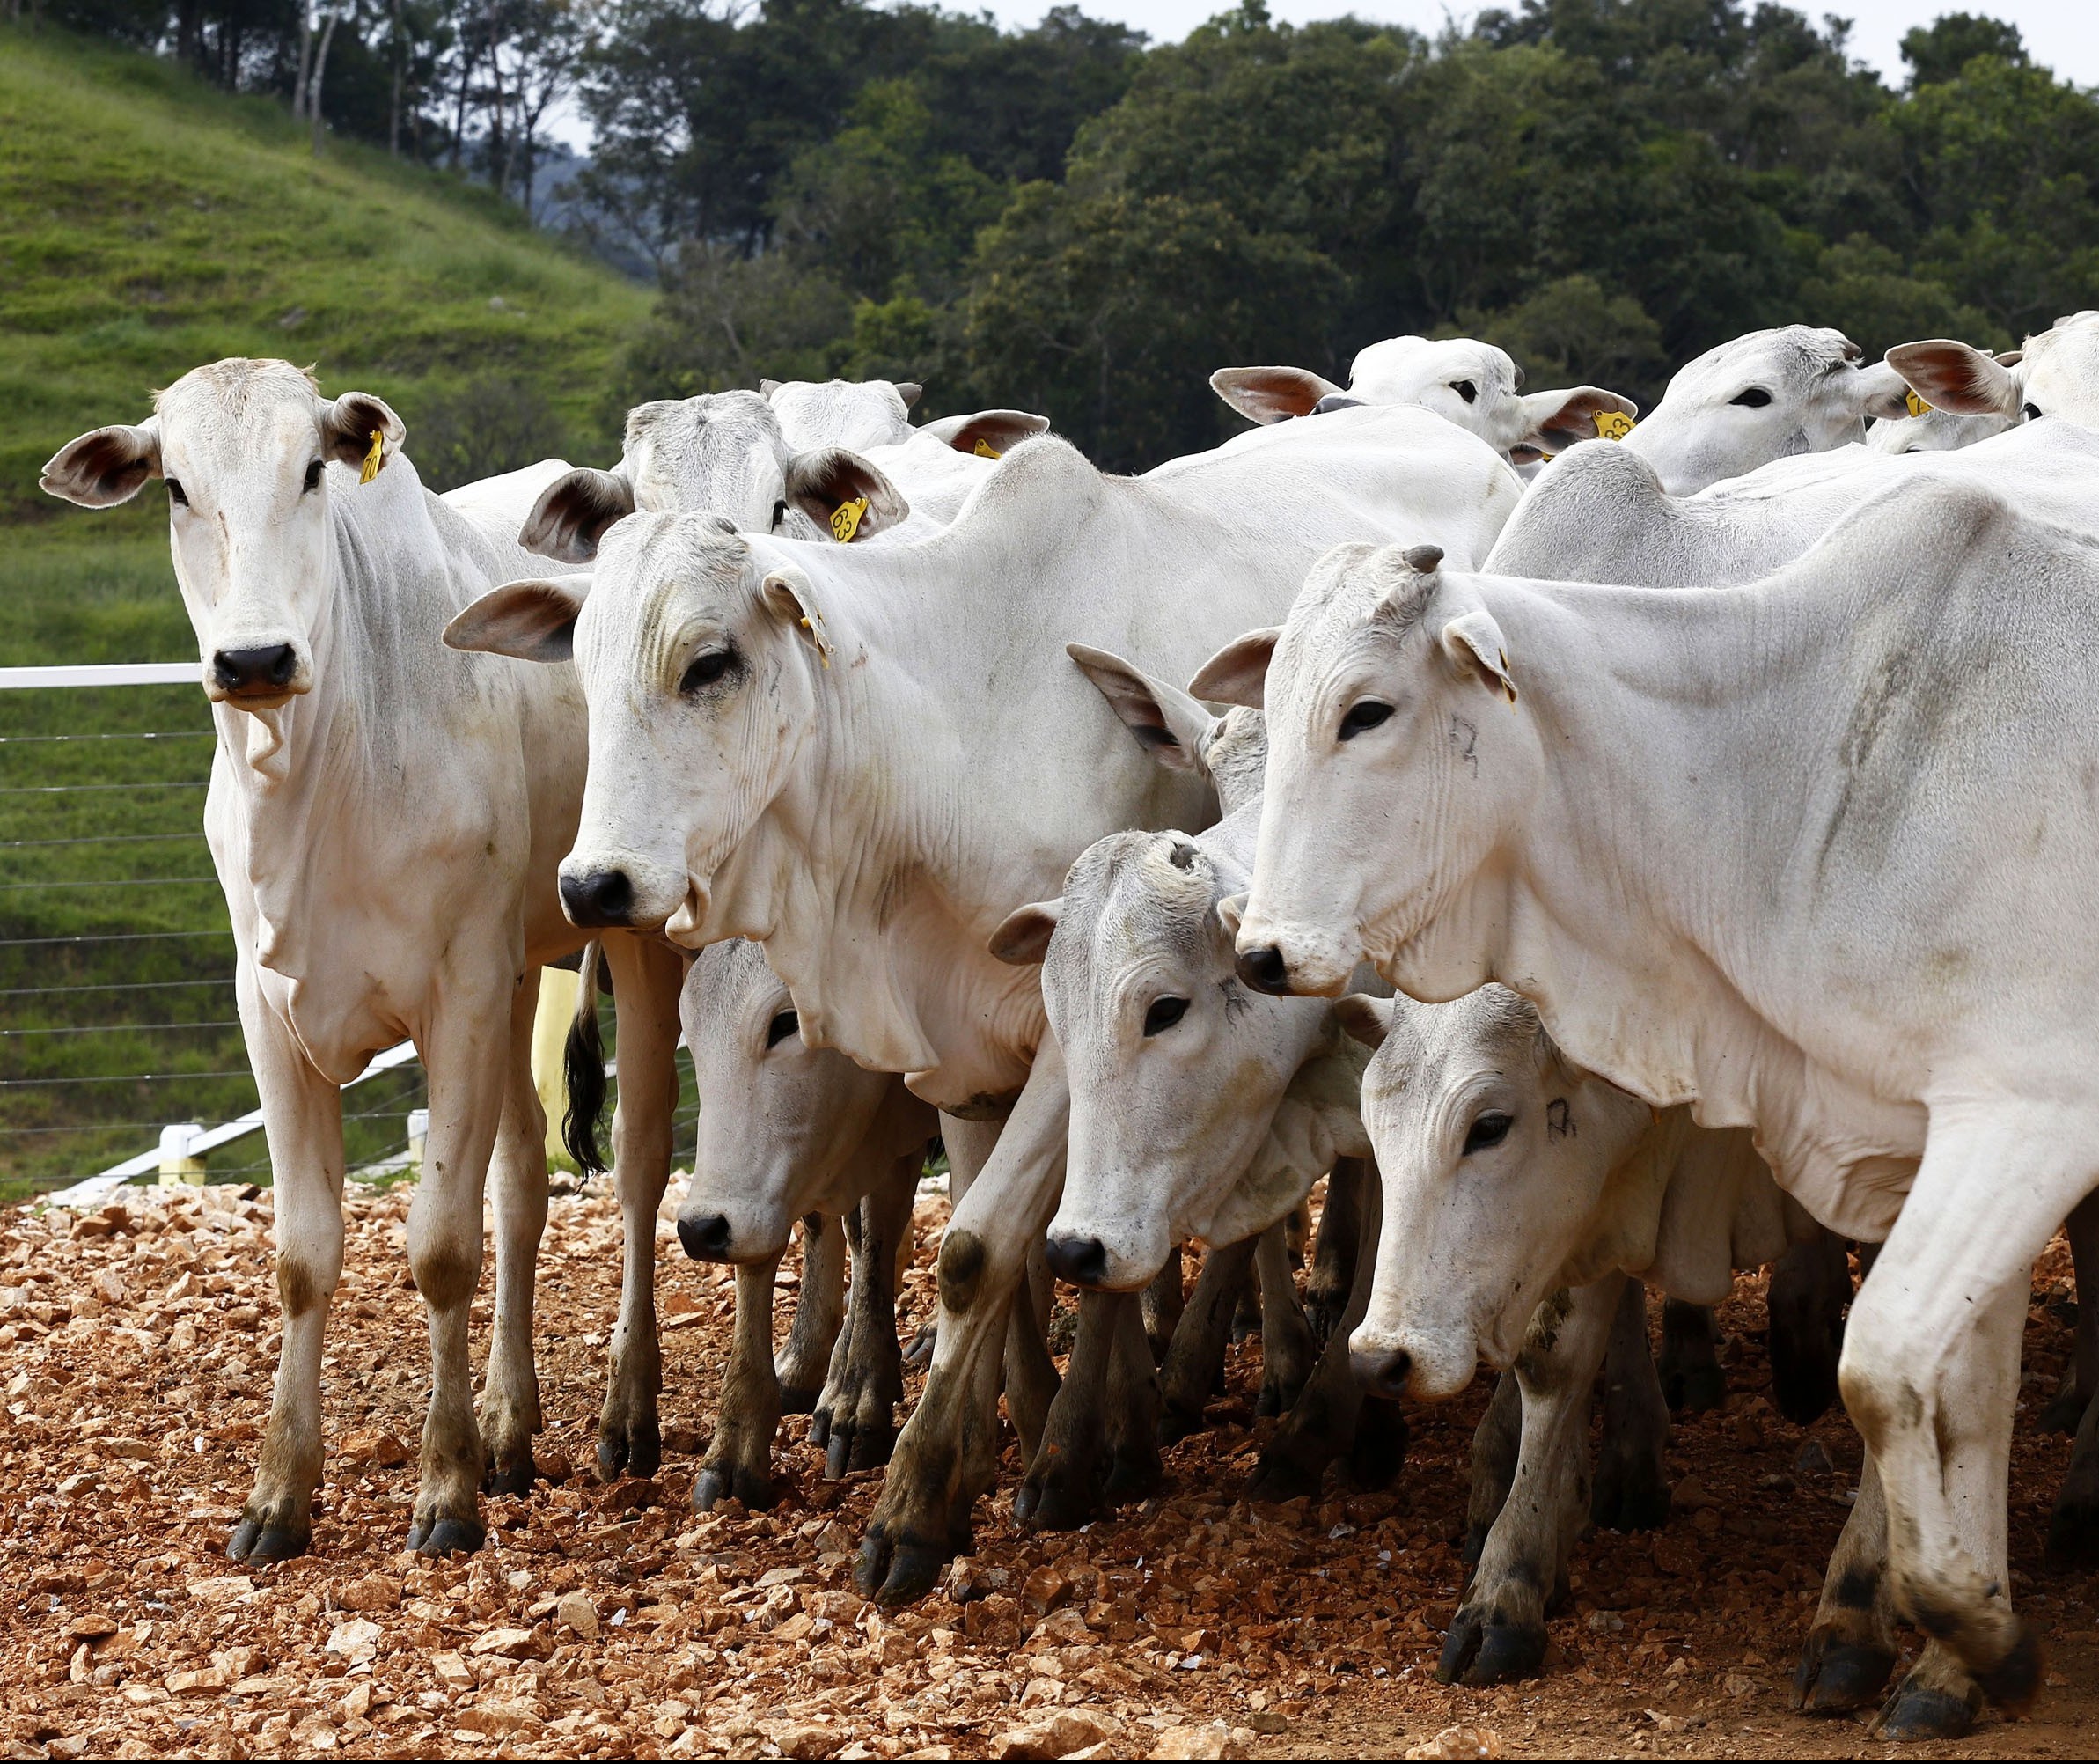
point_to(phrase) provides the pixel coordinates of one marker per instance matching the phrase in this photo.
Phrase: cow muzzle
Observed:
(1274, 961)
(257, 677)
(610, 892)
(1412, 1362)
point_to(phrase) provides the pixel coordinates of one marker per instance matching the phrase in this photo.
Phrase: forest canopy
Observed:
(1068, 218)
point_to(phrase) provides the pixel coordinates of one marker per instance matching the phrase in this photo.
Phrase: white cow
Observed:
(2057, 374)
(1472, 384)
(385, 820)
(863, 755)
(1782, 851)
(1766, 396)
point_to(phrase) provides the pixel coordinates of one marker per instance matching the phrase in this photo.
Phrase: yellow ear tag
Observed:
(845, 518)
(815, 627)
(372, 459)
(1613, 425)
(984, 450)
(1913, 404)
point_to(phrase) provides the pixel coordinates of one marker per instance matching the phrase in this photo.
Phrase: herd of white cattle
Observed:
(1743, 903)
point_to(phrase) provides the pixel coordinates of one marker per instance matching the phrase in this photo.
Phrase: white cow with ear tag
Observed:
(385, 817)
(1472, 384)
(2057, 374)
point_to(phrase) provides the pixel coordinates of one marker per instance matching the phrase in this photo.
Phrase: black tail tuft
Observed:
(583, 1070)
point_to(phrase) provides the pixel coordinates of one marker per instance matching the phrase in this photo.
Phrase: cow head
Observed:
(1501, 1161)
(1766, 396)
(243, 447)
(843, 412)
(2057, 374)
(699, 666)
(1470, 383)
(784, 1122)
(720, 453)
(1396, 762)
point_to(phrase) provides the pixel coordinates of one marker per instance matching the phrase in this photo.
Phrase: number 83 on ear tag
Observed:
(845, 518)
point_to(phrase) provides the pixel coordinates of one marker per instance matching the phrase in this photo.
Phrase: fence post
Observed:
(178, 1168)
(558, 988)
(419, 1133)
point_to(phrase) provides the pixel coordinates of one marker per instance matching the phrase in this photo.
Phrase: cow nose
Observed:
(1383, 1374)
(1083, 1261)
(598, 897)
(1265, 970)
(705, 1240)
(268, 669)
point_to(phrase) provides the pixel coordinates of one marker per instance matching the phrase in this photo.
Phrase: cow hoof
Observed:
(637, 1450)
(447, 1535)
(1926, 1712)
(920, 1352)
(1057, 1495)
(1379, 1451)
(1803, 1387)
(1290, 1467)
(1482, 1648)
(1135, 1472)
(902, 1573)
(1624, 1500)
(1836, 1677)
(269, 1539)
(2063, 1414)
(2015, 1680)
(865, 1446)
(2073, 1533)
(1177, 1424)
(1693, 1390)
(798, 1400)
(515, 1478)
(718, 1482)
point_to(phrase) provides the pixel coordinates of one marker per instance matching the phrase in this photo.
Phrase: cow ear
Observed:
(1950, 376)
(1022, 939)
(573, 511)
(792, 599)
(1231, 912)
(1271, 394)
(988, 433)
(1555, 420)
(767, 387)
(1365, 1019)
(1473, 642)
(910, 391)
(825, 484)
(355, 425)
(1879, 392)
(1168, 723)
(105, 466)
(533, 620)
(1239, 672)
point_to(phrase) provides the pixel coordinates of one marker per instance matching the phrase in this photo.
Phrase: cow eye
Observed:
(709, 668)
(1368, 714)
(781, 1027)
(1163, 1014)
(176, 494)
(2030, 412)
(1464, 389)
(1486, 1133)
(1755, 397)
(779, 513)
(312, 478)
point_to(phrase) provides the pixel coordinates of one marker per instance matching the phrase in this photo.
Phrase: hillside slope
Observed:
(148, 224)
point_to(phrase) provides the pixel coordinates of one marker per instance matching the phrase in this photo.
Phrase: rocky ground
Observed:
(136, 1347)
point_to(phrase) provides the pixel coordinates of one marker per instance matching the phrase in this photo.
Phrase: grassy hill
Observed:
(149, 222)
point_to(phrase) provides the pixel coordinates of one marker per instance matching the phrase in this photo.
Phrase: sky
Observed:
(2062, 35)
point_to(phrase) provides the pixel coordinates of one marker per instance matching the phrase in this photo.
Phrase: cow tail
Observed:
(582, 1069)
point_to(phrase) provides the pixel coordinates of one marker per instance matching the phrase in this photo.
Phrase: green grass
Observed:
(149, 222)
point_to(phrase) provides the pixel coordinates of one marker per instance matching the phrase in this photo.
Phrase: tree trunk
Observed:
(321, 67)
(394, 104)
(298, 89)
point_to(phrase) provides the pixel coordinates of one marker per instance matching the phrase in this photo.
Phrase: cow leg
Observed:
(1330, 1415)
(739, 1457)
(510, 1412)
(1287, 1351)
(809, 1362)
(2074, 1527)
(463, 1055)
(1332, 1275)
(1164, 1306)
(301, 1119)
(1692, 1378)
(1067, 1482)
(646, 978)
(857, 1418)
(1930, 1374)
(1496, 1444)
(1032, 1383)
(1195, 1358)
(1499, 1633)
(948, 1451)
(1810, 1288)
(1850, 1649)
(1632, 1484)
(2067, 1412)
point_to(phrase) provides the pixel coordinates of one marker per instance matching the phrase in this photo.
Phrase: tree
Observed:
(1937, 51)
